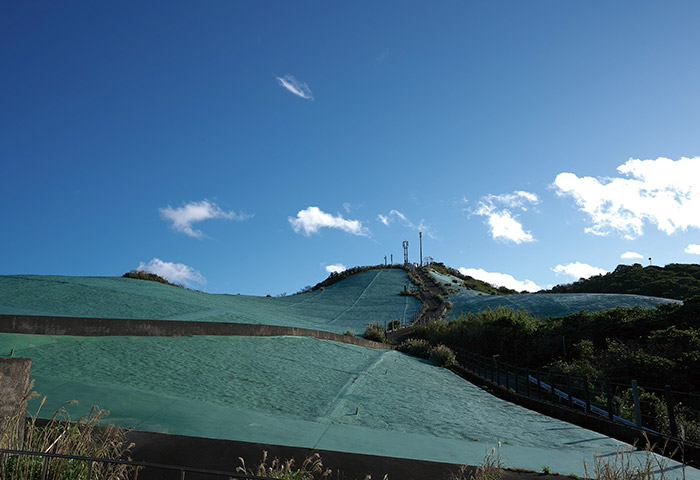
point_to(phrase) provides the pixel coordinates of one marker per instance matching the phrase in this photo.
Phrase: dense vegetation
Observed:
(656, 347)
(676, 280)
(143, 275)
(470, 282)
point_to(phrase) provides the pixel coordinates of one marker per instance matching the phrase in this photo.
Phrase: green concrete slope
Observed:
(297, 391)
(539, 304)
(346, 305)
(549, 304)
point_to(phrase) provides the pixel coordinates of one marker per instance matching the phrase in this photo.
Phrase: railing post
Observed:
(527, 382)
(517, 378)
(587, 394)
(637, 406)
(539, 385)
(89, 469)
(608, 395)
(552, 395)
(568, 390)
(498, 372)
(44, 468)
(671, 411)
(507, 379)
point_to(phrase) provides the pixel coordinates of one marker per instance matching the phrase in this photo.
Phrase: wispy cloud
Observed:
(500, 279)
(184, 217)
(628, 255)
(693, 248)
(578, 270)
(396, 215)
(336, 268)
(662, 191)
(502, 222)
(311, 219)
(173, 272)
(291, 84)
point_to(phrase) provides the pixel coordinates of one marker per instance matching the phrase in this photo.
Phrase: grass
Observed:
(310, 469)
(62, 436)
(491, 468)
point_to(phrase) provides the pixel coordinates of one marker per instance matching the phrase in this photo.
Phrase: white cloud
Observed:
(631, 255)
(693, 248)
(311, 219)
(662, 192)
(500, 279)
(291, 84)
(184, 217)
(578, 270)
(336, 268)
(420, 227)
(502, 223)
(174, 272)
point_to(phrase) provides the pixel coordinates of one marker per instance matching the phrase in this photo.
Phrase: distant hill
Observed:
(677, 280)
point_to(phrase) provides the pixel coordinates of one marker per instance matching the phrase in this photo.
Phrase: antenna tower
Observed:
(420, 236)
(405, 252)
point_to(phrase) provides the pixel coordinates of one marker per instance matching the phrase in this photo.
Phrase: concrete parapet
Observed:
(101, 327)
(14, 385)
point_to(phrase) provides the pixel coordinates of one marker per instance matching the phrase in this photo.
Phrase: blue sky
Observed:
(248, 147)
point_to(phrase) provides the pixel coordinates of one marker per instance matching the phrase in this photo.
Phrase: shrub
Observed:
(442, 356)
(416, 347)
(375, 332)
(143, 275)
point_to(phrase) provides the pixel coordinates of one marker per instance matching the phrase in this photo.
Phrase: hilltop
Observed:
(677, 281)
(471, 282)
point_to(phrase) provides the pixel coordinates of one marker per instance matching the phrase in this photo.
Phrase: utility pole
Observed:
(384, 260)
(392, 258)
(405, 252)
(420, 237)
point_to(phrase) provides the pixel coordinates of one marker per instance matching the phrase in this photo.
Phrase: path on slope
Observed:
(434, 305)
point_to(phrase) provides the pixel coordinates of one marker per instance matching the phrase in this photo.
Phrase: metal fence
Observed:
(658, 410)
(177, 471)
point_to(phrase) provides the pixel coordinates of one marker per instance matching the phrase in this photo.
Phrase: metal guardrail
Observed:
(139, 465)
(578, 392)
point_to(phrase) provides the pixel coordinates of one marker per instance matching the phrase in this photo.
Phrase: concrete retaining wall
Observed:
(14, 382)
(101, 327)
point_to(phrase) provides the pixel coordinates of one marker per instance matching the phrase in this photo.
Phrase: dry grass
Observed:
(490, 469)
(309, 469)
(626, 466)
(62, 436)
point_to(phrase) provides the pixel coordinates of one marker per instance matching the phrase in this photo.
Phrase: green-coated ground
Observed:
(297, 391)
(539, 304)
(348, 305)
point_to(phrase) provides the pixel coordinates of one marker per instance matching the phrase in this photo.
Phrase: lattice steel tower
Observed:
(405, 252)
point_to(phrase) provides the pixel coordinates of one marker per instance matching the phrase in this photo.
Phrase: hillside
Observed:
(370, 296)
(460, 280)
(676, 280)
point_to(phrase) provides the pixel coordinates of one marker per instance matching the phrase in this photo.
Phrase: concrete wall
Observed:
(99, 327)
(14, 382)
